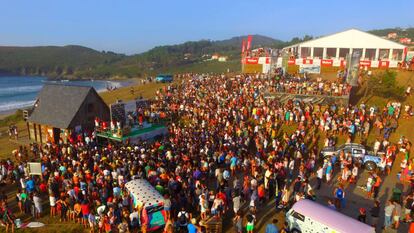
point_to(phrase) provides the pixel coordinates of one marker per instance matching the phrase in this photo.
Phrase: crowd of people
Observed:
(305, 86)
(228, 147)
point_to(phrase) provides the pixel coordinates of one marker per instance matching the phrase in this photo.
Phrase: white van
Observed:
(143, 193)
(311, 217)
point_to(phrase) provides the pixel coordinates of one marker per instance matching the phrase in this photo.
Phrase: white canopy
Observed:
(143, 192)
(351, 38)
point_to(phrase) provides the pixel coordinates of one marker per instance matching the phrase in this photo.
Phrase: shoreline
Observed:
(122, 83)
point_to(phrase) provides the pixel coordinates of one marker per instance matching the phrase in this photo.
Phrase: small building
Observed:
(61, 111)
(215, 57)
(392, 35)
(222, 59)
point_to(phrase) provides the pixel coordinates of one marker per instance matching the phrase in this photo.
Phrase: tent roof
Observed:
(143, 192)
(351, 38)
(57, 105)
(330, 217)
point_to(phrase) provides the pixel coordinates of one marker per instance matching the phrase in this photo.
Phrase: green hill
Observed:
(80, 62)
(401, 32)
(52, 60)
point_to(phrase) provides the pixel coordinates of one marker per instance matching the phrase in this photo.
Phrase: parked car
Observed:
(164, 78)
(358, 153)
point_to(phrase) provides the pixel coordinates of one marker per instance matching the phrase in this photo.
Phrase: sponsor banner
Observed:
(393, 64)
(383, 64)
(336, 63)
(264, 60)
(253, 60)
(343, 63)
(299, 61)
(365, 63)
(310, 69)
(307, 61)
(279, 62)
(35, 169)
(327, 62)
(374, 64)
(265, 68)
(353, 67)
(316, 62)
(409, 55)
(291, 62)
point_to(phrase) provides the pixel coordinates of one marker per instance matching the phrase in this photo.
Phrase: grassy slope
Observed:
(207, 67)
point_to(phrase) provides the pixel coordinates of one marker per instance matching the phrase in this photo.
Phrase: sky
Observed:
(134, 26)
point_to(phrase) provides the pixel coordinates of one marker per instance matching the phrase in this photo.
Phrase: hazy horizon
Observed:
(132, 27)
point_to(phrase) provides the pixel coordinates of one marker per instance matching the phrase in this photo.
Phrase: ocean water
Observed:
(20, 91)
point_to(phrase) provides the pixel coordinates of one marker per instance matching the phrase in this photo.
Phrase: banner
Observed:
(374, 64)
(307, 61)
(384, 64)
(285, 61)
(365, 63)
(35, 168)
(336, 63)
(253, 60)
(317, 62)
(264, 60)
(118, 114)
(326, 62)
(249, 43)
(280, 64)
(353, 62)
(310, 69)
(291, 62)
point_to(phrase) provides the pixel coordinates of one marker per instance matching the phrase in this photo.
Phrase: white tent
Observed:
(337, 46)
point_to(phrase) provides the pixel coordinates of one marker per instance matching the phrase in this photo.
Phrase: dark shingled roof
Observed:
(57, 105)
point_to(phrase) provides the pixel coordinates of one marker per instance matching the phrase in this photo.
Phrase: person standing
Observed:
(319, 177)
(328, 172)
(396, 214)
(285, 228)
(362, 217)
(388, 210)
(250, 223)
(236, 202)
(37, 205)
(6, 217)
(375, 211)
(167, 206)
(408, 205)
(377, 185)
(340, 197)
(192, 226)
(238, 223)
(271, 227)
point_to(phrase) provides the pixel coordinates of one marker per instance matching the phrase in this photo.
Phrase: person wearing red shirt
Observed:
(42, 187)
(85, 212)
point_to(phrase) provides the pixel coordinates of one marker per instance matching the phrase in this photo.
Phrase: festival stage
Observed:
(147, 132)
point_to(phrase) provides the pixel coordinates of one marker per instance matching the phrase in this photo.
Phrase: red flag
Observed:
(243, 46)
(249, 42)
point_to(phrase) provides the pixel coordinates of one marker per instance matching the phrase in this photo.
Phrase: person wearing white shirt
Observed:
(319, 177)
